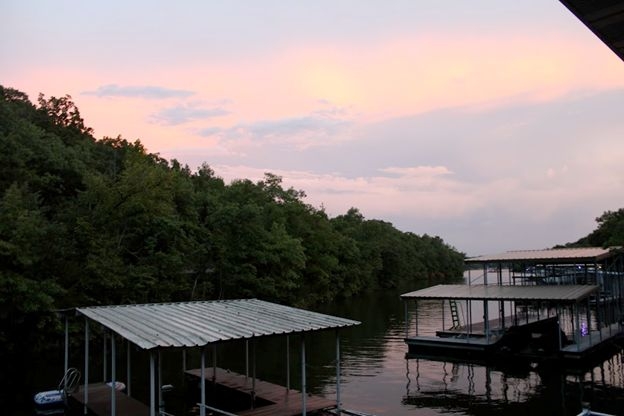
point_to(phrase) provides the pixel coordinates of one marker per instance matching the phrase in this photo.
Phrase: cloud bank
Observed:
(138, 91)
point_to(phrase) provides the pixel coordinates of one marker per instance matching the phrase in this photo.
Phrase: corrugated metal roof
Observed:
(562, 255)
(604, 18)
(193, 324)
(562, 293)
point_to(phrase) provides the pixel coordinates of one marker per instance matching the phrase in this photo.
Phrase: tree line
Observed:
(96, 222)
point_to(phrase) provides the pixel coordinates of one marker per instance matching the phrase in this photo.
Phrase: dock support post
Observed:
(253, 375)
(66, 367)
(406, 318)
(246, 358)
(485, 272)
(338, 371)
(589, 320)
(128, 369)
(560, 329)
(469, 320)
(86, 366)
(486, 320)
(159, 385)
(577, 333)
(113, 376)
(105, 359)
(183, 360)
(152, 387)
(416, 315)
(287, 363)
(303, 376)
(600, 324)
(214, 363)
(202, 371)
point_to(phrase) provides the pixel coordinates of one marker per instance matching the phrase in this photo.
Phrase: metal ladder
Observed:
(454, 314)
(69, 383)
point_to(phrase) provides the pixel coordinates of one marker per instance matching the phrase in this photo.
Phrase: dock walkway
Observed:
(99, 401)
(283, 402)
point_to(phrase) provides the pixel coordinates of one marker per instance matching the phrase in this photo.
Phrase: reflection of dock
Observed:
(270, 399)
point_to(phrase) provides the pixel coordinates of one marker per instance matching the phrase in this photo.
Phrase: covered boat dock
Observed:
(526, 322)
(156, 327)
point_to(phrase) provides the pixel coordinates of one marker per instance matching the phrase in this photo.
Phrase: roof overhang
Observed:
(196, 324)
(553, 293)
(580, 255)
(603, 17)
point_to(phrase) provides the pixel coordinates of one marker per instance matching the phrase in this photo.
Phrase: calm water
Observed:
(376, 377)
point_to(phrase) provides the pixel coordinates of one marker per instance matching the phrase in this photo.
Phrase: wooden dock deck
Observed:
(283, 402)
(99, 401)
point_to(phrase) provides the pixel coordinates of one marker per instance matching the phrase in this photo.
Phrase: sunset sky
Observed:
(496, 125)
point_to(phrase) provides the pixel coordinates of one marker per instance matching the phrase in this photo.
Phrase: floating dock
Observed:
(270, 398)
(561, 305)
(99, 401)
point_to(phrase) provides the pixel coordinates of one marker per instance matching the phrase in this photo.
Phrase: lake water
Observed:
(376, 377)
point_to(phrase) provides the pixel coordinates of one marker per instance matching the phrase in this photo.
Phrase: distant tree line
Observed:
(608, 233)
(95, 222)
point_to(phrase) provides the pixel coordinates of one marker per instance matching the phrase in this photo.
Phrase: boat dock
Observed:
(274, 399)
(200, 325)
(99, 401)
(538, 318)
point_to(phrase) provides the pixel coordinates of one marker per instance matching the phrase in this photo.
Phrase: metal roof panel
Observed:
(561, 293)
(192, 324)
(562, 255)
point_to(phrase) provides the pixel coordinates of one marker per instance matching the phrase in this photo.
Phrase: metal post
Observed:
(105, 360)
(184, 360)
(152, 387)
(589, 319)
(578, 327)
(338, 371)
(66, 367)
(559, 326)
(159, 385)
(287, 363)
(214, 363)
(467, 318)
(485, 267)
(600, 324)
(609, 311)
(253, 375)
(416, 315)
(86, 366)
(128, 369)
(202, 410)
(113, 375)
(246, 358)
(406, 319)
(486, 320)
(443, 326)
(303, 376)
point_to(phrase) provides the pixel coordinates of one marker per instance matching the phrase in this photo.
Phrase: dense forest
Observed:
(94, 222)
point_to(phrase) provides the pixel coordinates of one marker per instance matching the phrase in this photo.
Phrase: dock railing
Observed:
(214, 409)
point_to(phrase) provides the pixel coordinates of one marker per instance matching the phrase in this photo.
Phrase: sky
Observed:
(494, 124)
